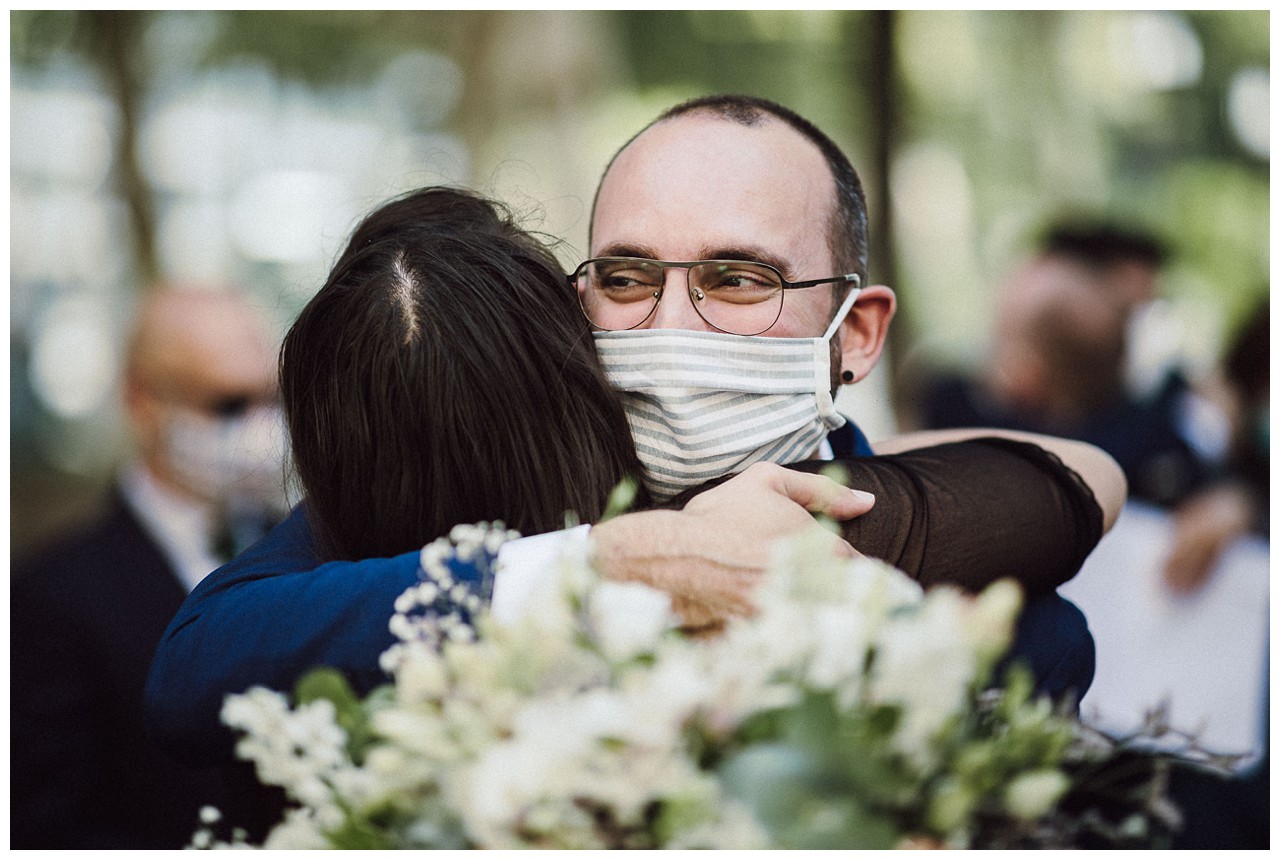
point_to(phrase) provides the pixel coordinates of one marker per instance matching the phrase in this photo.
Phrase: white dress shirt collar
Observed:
(179, 525)
(825, 451)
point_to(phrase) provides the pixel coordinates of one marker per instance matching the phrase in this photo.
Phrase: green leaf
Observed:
(325, 683)
(621, 498)
(358, 834)
(791, 796)
(350, 714)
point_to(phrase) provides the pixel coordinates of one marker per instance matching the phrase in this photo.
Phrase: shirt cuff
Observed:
(526, 563)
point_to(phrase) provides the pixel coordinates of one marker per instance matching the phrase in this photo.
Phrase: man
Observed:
(1063, 362)
(705, 184)
(86, 615)
(1080, 351)
(743, 179)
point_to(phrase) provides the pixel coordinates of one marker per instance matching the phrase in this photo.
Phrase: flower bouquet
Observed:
(852, 711)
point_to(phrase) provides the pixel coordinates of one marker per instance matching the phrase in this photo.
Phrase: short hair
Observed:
(1103, 245)
(847, 225)
(444, 374)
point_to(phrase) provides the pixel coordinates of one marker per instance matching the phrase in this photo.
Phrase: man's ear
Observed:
(863, 331)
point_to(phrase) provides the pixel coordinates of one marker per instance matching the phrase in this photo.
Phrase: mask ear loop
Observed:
(845, 307)
(822, 361)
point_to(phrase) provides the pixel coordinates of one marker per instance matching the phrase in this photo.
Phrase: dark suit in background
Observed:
(86, 616)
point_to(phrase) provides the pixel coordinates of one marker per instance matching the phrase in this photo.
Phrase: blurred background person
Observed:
(1237, 501)
(1083, 347)
(1218, 812)
(1062, 359)
(201, 402)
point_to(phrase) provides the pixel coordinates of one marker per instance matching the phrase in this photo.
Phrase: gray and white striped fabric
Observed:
(704, 404)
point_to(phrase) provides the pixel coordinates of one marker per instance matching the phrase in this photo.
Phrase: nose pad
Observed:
(677, 309)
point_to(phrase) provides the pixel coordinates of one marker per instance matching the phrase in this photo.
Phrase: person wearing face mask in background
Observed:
(1238, 501)
(206, 479)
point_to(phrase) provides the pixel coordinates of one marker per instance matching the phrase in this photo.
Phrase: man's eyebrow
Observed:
(747, 253)
(622, 249)
(750, 254)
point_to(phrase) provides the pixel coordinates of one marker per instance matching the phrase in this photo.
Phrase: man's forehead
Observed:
(728, 182)
(703, 135)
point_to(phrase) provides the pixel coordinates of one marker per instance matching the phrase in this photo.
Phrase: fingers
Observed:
(815, 493)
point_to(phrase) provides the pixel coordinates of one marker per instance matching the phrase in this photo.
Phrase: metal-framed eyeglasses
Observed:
(733, 296)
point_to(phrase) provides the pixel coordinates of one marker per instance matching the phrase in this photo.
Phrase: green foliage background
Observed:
(970, 129)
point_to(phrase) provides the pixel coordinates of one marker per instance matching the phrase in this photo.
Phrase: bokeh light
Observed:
(1249, 110)
(286, 215)
(74, 360)
(1159, 49)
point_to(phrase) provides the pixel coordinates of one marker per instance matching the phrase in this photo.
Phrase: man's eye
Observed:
(618, 282)
(627, 280)
(738, 279)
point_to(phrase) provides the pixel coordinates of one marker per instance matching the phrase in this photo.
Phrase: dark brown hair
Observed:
(442, 375)
(1101, 245)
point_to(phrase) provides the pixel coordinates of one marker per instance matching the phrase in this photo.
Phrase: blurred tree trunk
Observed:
(883, 94)
(115, 44)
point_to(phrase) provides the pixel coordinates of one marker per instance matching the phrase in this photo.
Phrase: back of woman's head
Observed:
(443, 375)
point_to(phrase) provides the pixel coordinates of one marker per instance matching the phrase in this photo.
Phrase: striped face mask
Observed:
(705, 404)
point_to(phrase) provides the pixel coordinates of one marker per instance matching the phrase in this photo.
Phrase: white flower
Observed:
(569, 726)
(1033, 794)
(661, 699)
(419, 732)
(298, 831)
(841, 637)
(421, 675)
(295, 749)
(991, 617)
(628, 618)
(923, 664)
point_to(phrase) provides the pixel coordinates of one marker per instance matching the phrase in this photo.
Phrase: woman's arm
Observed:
(266, 618)
(1095, 467)
(969, 513)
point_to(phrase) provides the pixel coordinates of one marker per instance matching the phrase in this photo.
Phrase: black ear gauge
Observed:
(847, 376)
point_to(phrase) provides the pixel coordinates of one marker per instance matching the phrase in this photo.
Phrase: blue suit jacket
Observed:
(275, 612)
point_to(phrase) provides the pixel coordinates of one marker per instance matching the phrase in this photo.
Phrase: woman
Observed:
(443, 375)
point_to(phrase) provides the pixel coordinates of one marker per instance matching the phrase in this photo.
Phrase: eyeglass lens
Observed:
(734, 296)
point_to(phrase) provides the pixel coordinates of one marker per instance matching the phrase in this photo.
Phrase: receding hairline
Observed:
(753, 117)
(847, 211)
(175, 323)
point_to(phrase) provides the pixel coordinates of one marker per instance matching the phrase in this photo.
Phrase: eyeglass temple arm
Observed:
(846, 279)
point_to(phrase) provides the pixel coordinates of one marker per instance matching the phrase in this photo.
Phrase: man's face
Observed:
(698, 187)
(202, 389)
